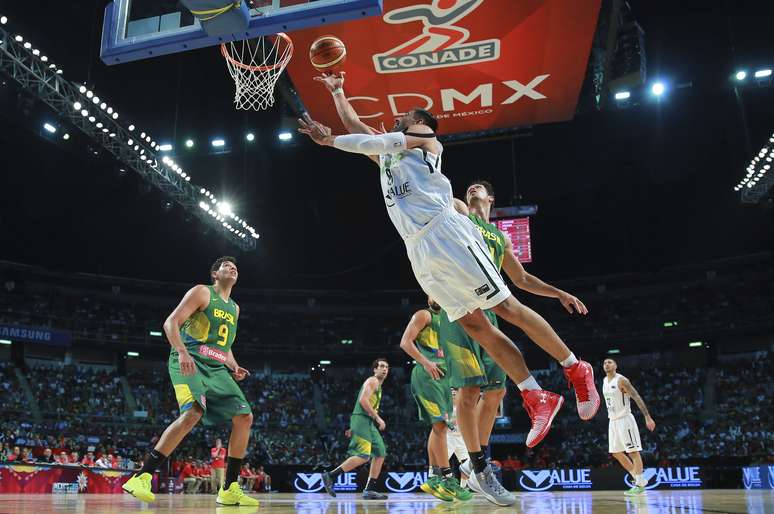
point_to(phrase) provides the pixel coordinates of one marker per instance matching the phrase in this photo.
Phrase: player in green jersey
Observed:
(204, 373)
(432, 394)
(366, 442)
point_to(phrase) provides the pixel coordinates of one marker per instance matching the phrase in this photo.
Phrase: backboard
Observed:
(142, 29)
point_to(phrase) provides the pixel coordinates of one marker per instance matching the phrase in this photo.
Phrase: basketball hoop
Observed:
(256, 65)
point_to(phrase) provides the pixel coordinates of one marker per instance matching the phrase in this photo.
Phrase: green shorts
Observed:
(212, 387)
(469, 365)
(433, 397)
(366, 440)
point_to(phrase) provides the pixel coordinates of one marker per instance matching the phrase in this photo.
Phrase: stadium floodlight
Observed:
(44, 58)
(189, 143)
(89, 94)
(19, 39)
(84, 113)
(250, 137)
(131, 128)
(155, 333)
(658, 88)
(92, 119)
(27, 45)
(741, 75)
(132, 354)
(50, 128)
(110, 110)
(325, 362)
(99, 125)
(766, 72)
(36, 52)
(166, 147)
(225, 208)
(285, 136)
(66, 136)
(3, 20)
(695, 344)
(103, 106)
(77, 106)
(5, 341)
(613, 351)
(218, 143)
(95, 100)
(82, 89)
(622, 95)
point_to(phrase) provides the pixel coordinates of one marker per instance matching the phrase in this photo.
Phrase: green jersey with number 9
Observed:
(209, 334)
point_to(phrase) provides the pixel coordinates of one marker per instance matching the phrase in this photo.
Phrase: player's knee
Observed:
(510, 309)
(476, 322)
(468, 397)
(439, 428)
(494, 397)
(191, 417)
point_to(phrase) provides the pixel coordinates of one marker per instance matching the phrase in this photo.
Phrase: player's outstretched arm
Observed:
(418, 322)
(534, 285)
(196, 299)
(379, 144)
(627, 387)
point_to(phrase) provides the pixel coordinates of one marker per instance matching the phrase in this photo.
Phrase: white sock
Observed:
(530, 384)
(639, 480)
(569, 361)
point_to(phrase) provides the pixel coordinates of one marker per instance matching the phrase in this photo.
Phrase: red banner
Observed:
(39, 479)
(477, 65)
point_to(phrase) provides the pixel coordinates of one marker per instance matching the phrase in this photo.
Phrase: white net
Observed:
(256, 65)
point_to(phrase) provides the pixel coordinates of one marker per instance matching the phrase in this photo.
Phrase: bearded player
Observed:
(366, 442)
(204, 372)
(431, 392)
(448, 254)
(624, 435)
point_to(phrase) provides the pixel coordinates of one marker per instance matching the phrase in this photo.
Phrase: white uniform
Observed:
(447, 252)
(623, 433)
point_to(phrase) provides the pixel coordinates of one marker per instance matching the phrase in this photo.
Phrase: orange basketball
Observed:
(328, 54)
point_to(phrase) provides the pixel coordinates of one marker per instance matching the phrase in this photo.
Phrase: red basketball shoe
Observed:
(581, 377)
(541, 406)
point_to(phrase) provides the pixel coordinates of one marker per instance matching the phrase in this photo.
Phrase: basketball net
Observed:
(256, 65)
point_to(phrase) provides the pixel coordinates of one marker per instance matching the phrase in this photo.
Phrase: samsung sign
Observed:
(545, 479)
(312, 482)
(675, 478)
(35, 335)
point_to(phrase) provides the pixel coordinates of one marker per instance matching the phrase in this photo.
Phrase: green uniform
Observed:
(469, 364)
(208, 336)
(366, 440)
(433, 397)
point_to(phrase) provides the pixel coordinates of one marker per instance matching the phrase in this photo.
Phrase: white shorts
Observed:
(624, 435)
(455, 445)
(452, 264)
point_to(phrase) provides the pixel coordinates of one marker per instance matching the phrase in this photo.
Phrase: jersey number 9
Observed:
(223, 334)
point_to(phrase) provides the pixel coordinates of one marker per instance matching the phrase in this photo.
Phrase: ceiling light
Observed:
(217, 143)
(622, 95)
(49, 127)
(741, 75)
(285, 136)
(658, 88)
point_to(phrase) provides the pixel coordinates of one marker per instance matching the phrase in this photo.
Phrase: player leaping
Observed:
(448, 254)
(202, 367)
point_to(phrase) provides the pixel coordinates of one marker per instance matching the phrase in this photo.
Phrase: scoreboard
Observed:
(518, 230)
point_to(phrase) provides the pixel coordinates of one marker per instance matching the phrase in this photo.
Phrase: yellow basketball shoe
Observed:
(235, 496)
(139, 486)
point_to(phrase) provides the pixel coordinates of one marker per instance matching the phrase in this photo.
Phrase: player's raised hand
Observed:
(240, 373)
(332, 81)
(187, 364)
(433, 370)
(572, 304)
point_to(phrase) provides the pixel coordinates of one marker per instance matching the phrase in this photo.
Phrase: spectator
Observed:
(187, 476)
(47, 457)
(15, 455)
(247, 476)
(262, 480)
(105, 461)
(88, 459)
(218, 454)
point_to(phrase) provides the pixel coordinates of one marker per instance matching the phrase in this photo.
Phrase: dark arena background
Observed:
(629, 145)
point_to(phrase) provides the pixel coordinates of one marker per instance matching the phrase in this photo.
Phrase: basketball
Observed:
(328, 54)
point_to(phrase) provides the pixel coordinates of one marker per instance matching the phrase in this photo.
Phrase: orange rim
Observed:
(229, 58)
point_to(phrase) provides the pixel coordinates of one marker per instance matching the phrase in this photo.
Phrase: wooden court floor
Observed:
(602, 502)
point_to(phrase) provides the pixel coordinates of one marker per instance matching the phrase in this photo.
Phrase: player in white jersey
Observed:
(623, 433)
(448, 254)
